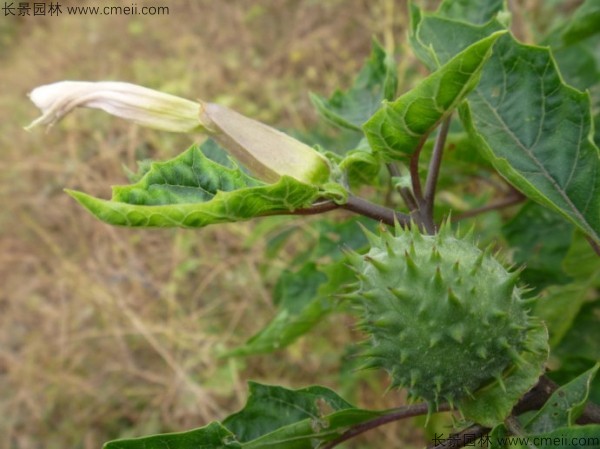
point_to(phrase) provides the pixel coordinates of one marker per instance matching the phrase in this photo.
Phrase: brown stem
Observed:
(414, 171)
(375, 211)
(535, 399)
(405, 192)
(400, 413)
(433, 174)
(317, 208)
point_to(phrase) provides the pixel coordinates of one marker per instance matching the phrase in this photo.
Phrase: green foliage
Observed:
(447, 320)
(540, 240)
(520, 113)
(396, 130)
(274, 417)
(192, 191)
(376, 81)
(564, 406)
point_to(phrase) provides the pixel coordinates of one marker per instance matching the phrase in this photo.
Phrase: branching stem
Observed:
(395, 415)
(434, 171)
(414, 171)
(317, 208)
(405, 192)
(534, 399)
(359, 206)
(375, 211)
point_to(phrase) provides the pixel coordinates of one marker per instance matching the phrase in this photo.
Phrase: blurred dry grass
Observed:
(109, 332)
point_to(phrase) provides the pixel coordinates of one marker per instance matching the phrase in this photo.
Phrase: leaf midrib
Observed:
(542, 170)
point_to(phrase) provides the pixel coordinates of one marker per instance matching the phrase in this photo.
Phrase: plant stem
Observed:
(395, 415)
(405, 192)
(534, 399)
(434, 170)
(414, 171)
(317, 208)
(358, 205)
(375, 211)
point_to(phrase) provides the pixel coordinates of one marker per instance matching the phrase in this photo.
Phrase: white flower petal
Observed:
(139, 104)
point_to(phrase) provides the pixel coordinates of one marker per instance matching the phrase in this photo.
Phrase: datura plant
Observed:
(496, 323)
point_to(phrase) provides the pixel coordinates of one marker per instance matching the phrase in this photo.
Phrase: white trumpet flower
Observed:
(268, 153)
(139, 104)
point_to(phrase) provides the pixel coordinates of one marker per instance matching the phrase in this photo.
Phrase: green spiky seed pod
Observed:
(444, 318)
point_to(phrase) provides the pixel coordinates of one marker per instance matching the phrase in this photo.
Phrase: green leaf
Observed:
(493, 403)
(307, 434)
(376, 81)
(300, 309)
(583, 338)
(273, 417)
(582, 262)
(398, 127)
(193, 191)
(584, 23)
(436, 39)
(537, 133)
(564, 406)
(535, 130)
(470, 12)
(271, 407)
(558, 306)
(361, 165)
(580, 347)
(540, 240)
(580, 63)
(212, 436)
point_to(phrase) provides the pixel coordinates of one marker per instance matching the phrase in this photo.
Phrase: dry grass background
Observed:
(108, 332)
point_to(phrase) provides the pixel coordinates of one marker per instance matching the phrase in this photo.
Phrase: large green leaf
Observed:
(564, 406)
(535, 130)
(584, 23)
(491, 405)
(397, 128)
(540, 240)
(308, 433)
(583, 339)
(580, 347)
(376, 81)
(559, 305)
(194, 191)
(579, 63)
(212, 436)
(273, 417)
(468, 11)
(271, 407)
